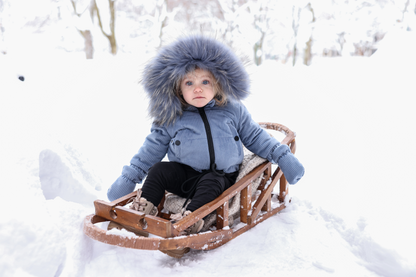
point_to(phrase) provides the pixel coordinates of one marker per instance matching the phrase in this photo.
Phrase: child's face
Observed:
(197, 88)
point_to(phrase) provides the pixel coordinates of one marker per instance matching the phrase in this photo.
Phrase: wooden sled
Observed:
(165, 235)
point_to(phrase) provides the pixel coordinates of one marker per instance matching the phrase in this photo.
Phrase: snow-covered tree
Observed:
(83, 10)
(288, 31)
(2, 42)
(105, 12)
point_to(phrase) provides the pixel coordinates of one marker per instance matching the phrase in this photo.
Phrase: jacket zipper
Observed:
(213, 165)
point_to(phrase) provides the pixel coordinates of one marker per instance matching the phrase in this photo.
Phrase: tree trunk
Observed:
(258, 46)
(89, 48)
(112, 36)
(307, 57)
(86, 34)
(295, 27)
(295, 53)
(164, 21)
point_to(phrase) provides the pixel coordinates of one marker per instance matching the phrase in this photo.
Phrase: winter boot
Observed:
(139, 204)
(193, 229)
(142, 205)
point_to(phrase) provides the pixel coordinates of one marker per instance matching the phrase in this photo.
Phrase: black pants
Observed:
(179, 179)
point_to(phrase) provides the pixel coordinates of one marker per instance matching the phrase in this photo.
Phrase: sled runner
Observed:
(248, 202)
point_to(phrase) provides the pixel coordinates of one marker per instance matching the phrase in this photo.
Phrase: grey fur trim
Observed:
(175, 60)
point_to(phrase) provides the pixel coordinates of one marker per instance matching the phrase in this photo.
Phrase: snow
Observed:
(68, 129)
(123, 232)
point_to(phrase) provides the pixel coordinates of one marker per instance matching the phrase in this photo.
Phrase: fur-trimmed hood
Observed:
(174, 61)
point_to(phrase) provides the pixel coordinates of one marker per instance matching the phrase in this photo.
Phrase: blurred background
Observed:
(337, 72)
(289, 32)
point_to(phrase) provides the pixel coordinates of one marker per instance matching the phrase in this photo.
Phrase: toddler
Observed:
(195, 87)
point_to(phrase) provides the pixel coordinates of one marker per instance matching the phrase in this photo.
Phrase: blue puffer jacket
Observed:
(180, 133)
(186, 142)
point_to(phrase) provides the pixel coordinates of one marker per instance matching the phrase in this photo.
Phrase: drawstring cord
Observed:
(191, 191)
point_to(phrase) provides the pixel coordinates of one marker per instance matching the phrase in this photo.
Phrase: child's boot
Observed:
(142, 205)
(139, 204)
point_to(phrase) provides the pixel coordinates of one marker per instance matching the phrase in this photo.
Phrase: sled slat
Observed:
(122, 201)
(106, 209)
(245, 203)
(152, 224)
(266, 178)
(268, 205)
(222, 216)
(284, 190)
(264, 196)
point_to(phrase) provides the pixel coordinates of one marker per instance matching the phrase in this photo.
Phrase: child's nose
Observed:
(198, 89)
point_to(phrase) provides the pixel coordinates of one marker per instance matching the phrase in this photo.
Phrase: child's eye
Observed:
(189, 83)
(205, 82)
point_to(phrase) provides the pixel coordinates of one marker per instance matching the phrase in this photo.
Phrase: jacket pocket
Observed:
(189, 148)
(231, 148)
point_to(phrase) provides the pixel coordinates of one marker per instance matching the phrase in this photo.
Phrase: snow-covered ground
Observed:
(70, 126)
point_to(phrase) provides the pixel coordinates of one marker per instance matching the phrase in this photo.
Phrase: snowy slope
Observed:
(68, 129)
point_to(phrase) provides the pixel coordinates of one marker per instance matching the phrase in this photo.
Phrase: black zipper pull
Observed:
(213, 166)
